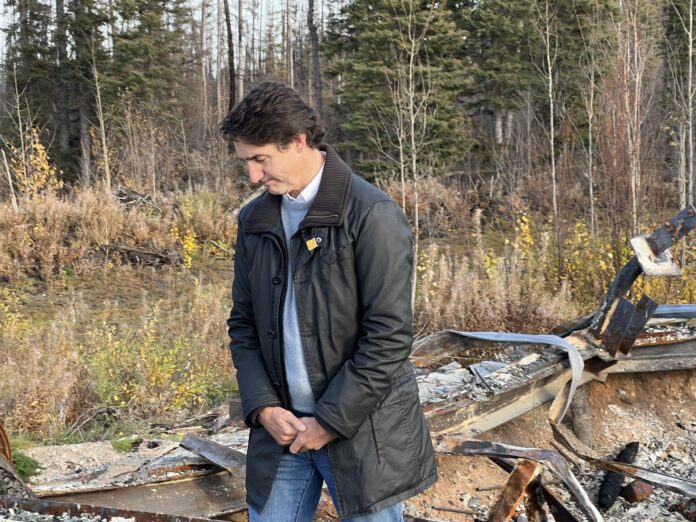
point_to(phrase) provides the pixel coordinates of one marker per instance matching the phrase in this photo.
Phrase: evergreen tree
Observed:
(397, 62)
(501, 41)
(149, 52)
(30, 63)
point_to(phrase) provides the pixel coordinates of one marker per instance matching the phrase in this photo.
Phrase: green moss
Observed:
(126, 444)
(25, 466)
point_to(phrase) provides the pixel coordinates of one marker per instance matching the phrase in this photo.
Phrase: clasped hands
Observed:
(287, 430)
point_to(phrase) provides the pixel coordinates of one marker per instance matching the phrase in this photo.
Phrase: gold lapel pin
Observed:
(313, 243)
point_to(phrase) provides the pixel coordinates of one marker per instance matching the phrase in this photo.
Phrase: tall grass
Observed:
(169, 361)
(54, 234)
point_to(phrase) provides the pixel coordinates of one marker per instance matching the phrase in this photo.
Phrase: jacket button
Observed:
(271, 334)
(276, 280)
(276, 384)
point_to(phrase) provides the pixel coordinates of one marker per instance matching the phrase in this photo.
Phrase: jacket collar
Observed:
(327, 209)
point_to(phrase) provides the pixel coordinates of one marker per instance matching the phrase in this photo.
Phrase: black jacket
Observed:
(353, 306)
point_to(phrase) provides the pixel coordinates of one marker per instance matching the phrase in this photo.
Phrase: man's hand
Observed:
(313, 438)
(283, 426)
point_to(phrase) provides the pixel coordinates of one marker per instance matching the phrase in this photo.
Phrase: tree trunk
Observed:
(690, 94)
(204, 73)
(498, 126)
(240, 50)
(288, 43)
(230, 55)
(316, 70)
(62, 109)
(85, 148)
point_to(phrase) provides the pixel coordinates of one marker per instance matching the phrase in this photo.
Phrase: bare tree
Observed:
(684, 98)
(230, 56)
(241, 54)
(287, 42)
(546, 25)
(407, 123)
(315, 65)
(637, 44)
(100, 121)
(592, 50)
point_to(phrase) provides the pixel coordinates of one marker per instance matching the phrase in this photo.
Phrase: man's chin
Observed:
(275, 191)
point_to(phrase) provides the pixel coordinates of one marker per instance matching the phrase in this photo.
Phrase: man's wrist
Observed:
(256, 415)
(260, 415)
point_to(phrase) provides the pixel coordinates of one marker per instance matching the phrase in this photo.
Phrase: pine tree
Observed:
(394, 58)
(148, 56)
(30, 64)
(501, 40)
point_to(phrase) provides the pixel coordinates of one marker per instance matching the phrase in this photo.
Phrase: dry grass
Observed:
(486, 293)
(165, 361)
(54, 234)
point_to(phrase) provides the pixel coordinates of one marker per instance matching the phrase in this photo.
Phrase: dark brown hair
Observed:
(272, 113)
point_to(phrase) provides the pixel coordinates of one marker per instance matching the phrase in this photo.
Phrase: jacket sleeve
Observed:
(383, 266)
(254, 382)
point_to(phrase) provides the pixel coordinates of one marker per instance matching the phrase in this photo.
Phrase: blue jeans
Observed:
(297, 487)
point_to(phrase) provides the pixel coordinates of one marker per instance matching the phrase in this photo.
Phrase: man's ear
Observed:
(299, 142)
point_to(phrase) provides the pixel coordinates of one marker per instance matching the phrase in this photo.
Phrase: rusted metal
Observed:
(200, 497)
(470, 417)
(515, 490)
(227, 458)
(46, 507)
(5, 449)
(551, 459)
(626, 323)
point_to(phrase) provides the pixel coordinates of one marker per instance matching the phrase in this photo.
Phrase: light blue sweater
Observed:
(293, 212)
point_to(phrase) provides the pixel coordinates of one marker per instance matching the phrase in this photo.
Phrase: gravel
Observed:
(29, 516)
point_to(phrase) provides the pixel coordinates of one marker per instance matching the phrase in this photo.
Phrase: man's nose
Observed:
(255, 172)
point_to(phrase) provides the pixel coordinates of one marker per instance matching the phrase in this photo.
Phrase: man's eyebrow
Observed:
(255, 157)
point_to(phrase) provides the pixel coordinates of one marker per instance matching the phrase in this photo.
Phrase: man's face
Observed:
(276, 167)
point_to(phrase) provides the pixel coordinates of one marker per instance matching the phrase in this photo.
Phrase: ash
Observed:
(674, 454)
(29, 516)
(509, 367)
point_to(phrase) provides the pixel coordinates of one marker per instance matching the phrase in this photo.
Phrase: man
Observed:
(321, 325)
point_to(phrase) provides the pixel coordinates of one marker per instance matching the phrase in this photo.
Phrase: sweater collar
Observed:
(327, 209)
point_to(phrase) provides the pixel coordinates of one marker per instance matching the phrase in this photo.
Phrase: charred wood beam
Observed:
(549, 458)
(625, 324)
(612, 482)
(227, 458)
(515, 490)
(534, 502)
(675, 484)
(558, 509)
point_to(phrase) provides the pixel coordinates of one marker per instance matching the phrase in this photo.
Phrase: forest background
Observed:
(526, 141)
